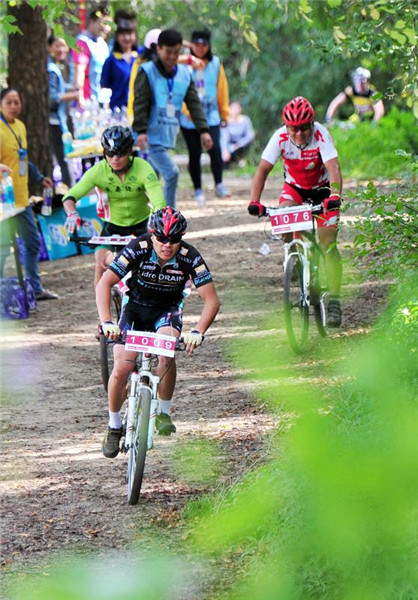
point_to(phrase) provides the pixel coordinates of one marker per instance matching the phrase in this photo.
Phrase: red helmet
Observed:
(298, 112)
(167, 222)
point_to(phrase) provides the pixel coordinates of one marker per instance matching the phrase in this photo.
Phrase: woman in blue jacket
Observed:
(117, 68)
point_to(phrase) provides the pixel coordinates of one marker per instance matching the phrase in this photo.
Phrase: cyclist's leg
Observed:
(103, 256)
(327, 236)
(192, 139)
(169, 323)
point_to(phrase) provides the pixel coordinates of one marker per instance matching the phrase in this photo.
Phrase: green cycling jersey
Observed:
(128, 199)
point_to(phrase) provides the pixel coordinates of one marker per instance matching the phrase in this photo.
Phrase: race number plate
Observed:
(154, 343)
(111, 240)
(291, 218)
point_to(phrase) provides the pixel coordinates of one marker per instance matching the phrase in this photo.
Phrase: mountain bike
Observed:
(305, 283)
(116, 301)
(142, 402)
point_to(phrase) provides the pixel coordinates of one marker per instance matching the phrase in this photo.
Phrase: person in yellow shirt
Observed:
(14, 154)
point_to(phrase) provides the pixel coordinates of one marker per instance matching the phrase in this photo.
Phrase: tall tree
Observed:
(27, 73)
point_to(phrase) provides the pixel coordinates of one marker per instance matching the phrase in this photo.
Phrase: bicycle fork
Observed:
(133, 399)
(293, 249)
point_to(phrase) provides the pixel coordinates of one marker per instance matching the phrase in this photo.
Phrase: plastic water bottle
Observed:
(1, 192)
(103, 206)
(46, 208)
(8, 191)
(200, 84)
(67, 140)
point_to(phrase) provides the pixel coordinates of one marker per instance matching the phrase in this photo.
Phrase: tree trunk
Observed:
(27, 72)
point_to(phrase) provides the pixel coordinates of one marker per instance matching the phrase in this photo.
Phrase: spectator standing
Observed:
(89, 61)
(117, 68)
(160, 90)
(14, 154)
(212, 88)
(237, 136)
(149, 52)
(361, 94)
(59, 94)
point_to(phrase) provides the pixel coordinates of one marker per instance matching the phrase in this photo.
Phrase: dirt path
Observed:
(57, 491)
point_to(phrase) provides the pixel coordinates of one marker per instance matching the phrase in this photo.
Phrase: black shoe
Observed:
(46, 295)
(111, 442)
(164, 424)
(334, 313)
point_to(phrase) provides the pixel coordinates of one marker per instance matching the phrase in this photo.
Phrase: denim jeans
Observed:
(27, 229)
(162, 162)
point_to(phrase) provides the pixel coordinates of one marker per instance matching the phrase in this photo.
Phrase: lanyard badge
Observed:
(23, 154)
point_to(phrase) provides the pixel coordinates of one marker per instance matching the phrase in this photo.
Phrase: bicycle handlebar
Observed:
(316, 208)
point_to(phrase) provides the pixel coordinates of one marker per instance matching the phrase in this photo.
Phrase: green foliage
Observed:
(368, 150)
(197, 462)
(333, 514)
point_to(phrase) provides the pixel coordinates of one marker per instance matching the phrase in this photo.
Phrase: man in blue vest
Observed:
(161, 87)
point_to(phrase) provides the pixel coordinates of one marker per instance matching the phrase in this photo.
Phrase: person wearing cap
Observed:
(149, 52)
(90, 57)
(361, 94)
(161, 87)
(117, 68)
(212, 88)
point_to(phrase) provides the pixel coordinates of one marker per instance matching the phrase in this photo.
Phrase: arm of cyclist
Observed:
(103, 298)
(255, 207)
(210, 309)
(336, 183)
(80, 189)
(153, 188)
(334, 106)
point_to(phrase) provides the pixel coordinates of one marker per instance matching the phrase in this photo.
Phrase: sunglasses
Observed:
(111, 154)
(305, 127)
(174, 239)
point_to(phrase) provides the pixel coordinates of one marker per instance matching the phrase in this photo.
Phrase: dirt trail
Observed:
(57, 491)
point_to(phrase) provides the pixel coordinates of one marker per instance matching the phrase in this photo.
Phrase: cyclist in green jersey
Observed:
(131, 193)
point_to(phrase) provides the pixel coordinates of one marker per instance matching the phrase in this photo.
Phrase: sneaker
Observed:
(111, 441)
(46, 295)
(221, 191)
(164, 424)
(334, 313)
(199, 196)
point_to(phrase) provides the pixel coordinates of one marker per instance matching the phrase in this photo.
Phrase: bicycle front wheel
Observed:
(296, 309)
(138, 450)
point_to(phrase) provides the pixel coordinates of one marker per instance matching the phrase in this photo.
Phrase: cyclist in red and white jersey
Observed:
(311, 174)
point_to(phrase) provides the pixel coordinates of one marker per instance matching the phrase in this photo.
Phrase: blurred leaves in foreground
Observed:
(331, 515)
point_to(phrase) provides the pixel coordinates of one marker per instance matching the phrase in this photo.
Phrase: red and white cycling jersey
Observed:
(303, 168)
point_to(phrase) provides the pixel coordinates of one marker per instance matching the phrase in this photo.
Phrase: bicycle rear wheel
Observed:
(106, 346)
(296, 310)
(138, 450)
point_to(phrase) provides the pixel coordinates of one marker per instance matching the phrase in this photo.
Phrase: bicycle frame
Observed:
(289, 250)
(143, 378)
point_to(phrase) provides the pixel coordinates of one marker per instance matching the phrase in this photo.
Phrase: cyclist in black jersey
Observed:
(161, 264)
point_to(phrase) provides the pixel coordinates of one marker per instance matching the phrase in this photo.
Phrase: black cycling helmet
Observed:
(117, 140)
(167, 223)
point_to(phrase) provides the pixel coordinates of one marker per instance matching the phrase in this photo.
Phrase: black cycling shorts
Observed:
(146, 318)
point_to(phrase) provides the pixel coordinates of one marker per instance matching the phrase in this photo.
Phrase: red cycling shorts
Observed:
(290, 193)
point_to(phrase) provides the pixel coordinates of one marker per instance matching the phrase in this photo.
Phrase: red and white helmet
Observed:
(298, 112)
